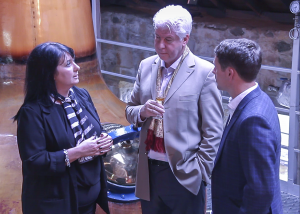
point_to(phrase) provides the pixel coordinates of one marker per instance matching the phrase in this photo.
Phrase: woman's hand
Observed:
(92, 146)
(105, 143)
(89, 147)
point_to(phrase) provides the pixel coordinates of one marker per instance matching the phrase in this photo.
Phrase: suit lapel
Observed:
(155, 66)
(51, 117)
(86, 105)
(235, 116)
(226, 131)
(91, 110)
(186, 69)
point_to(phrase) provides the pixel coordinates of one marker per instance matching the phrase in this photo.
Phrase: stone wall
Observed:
(136, 28)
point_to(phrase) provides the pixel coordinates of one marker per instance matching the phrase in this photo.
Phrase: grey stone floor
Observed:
(290, 203)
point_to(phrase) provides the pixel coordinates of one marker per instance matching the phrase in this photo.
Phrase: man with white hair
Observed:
(176, 102)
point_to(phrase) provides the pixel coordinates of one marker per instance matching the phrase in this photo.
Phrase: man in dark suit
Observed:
(245, 178)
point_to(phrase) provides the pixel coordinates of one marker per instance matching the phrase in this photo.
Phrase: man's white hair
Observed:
(176, 18)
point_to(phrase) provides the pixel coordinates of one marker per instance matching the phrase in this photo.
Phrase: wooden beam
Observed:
(215, 12)
(219, 4)
(286, 3)
(141, 5)
(161, 2)
(137, 2)
(253, 6)
(193, 2)
(285, 18)
(152, 7)
(144, 9)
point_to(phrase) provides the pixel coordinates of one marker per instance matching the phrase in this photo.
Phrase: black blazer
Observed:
(48, 185)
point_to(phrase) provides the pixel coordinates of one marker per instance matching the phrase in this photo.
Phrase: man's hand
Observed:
(151, 109)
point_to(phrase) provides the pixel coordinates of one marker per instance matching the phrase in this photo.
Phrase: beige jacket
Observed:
(193, 121)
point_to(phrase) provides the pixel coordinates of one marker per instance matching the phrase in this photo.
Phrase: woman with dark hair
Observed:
(60, 138)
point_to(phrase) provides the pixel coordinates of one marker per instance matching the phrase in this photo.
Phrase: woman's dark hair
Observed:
(242, 54)
(40, 70)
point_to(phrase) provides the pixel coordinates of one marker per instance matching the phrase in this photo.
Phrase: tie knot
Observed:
(68, 100)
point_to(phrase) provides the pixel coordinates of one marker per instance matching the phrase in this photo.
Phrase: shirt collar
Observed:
(233, 103)
(174, 65)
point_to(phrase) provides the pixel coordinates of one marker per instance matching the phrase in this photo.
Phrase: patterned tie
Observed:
(155, 132)
(80, 124)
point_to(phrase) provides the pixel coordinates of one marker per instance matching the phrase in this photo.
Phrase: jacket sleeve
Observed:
(134, 104)
(257, 146)
(90, 101)
(211, 112)
(33, 147)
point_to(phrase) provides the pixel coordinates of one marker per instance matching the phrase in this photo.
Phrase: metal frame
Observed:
(294, 118)
(267, 67)
(289, 186)
(96, 22)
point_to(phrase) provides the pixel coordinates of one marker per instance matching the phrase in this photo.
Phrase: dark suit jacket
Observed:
(245, 178)
(48, 185)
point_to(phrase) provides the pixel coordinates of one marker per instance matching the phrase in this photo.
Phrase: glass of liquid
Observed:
(160, 98)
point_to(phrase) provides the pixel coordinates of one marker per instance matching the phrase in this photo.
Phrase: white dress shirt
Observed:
(233, 103)
(166, 74)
